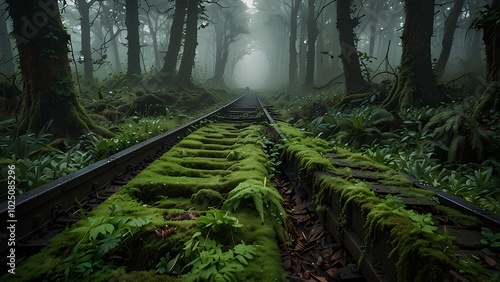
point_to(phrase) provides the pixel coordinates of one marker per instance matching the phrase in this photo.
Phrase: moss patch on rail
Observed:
(217, 157)
(194, 175)
(421, 253)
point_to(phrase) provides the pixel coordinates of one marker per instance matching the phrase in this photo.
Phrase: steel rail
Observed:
(37, 207)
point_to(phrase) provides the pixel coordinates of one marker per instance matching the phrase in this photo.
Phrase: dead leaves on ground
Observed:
(310, 253)
(165, 231)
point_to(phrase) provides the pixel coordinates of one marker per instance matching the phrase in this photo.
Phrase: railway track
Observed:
(37, 207)
(223, 149)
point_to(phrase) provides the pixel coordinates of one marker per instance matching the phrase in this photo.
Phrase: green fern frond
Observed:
(265, 199)
(259, 205)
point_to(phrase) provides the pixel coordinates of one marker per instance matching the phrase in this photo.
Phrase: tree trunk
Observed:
(312, 34)
(134, 47)
(373, 25)
(474, 48)
(490, 100)
(106, 22)
(220, 65)
(221, 49)
(49, 93)
(174, 44)
(415, 85)
(354, 81)
(321, 71)
(88, 68)
(449, 30)
(153, 31)
(302, 45)
(6, 55)
(190, 43)
(292, 65)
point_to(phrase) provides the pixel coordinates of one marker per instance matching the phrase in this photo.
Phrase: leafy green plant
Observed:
(169, 265)
(135, 130)
(490, 241)
(100, 240)
(460, 134)
(422, 222)
(211, 263)
(205, 260)
(481, 181)
(217, 221)
(273, 151)
(26, 145)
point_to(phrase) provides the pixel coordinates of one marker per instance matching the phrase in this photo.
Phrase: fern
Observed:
(459, 133)
(100, 238)
(265, 199)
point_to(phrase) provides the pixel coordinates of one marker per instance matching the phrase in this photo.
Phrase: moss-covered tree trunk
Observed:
(190, 43)
(134, 46)
(174, 44)
(49, 92)
(354, 81)
(490, 23)
(415, 84)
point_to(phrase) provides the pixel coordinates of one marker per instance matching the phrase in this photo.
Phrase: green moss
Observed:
(292, 132)
(198, 165)
(192, 165)
(170, 203)
(459, 218)
(147, 276)
(305, 157)
(267, 264)
(420, 255)
(365, 161)
(205, 198)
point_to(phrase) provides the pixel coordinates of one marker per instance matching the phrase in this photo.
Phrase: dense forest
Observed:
(412, 84)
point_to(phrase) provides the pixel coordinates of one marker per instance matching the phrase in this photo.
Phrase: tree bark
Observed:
(312, 34)
(190, 43)
(473, 39)
(302, 45)
(49, 93)
(174, 45)
(107, 23)
(322, 74)
(415, 85)
(153, 31)
(134, 46)
(373, 22)
(449, 31)
(221, 48)
(292, 65)
(490, 100)
(6, 55)
(354, 81)
(88, 68)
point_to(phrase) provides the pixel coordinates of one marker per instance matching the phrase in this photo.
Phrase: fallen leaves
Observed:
(310, 253)
(165, 231)
(185, 216)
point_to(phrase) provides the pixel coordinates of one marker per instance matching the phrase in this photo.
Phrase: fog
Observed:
(252, 71)
(247, 43)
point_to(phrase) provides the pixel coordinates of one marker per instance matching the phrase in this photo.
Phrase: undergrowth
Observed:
(442, 146)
